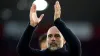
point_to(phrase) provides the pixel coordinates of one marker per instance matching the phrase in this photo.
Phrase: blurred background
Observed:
(81, 16)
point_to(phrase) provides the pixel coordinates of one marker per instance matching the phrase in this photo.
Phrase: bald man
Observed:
(57, 37)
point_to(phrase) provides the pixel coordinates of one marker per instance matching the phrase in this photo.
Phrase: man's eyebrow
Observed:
(49, 34)
(57, 35)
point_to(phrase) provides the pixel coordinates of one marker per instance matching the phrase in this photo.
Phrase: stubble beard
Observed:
(53, 46)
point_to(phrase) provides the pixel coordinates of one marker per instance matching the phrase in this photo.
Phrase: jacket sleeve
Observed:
(23, 47)
(74, 46)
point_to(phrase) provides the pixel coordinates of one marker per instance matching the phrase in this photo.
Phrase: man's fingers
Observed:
(57, 6)
(33, 11)
(33, 8)
(57, 9)
(57, 3)
(40, 18)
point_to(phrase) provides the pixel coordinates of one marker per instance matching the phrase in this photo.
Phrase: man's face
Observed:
(43, 45)
(55, 39)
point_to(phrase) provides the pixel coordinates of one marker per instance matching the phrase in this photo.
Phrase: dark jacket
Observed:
(74, 47)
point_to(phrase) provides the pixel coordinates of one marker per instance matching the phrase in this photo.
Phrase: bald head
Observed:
(53, 29)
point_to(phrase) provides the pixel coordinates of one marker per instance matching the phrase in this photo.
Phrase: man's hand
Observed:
(57, 9)
(34, 20)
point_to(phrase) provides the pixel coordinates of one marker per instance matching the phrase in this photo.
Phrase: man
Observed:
(56, 37)
(42, 42)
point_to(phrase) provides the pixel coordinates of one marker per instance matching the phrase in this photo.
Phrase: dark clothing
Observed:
(74, 47)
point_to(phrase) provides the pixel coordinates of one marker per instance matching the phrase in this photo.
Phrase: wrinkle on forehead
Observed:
(53, 29)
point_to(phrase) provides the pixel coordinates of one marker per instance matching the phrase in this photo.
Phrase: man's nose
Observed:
(53, 39)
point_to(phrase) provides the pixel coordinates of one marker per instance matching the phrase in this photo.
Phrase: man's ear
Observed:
(64, 41)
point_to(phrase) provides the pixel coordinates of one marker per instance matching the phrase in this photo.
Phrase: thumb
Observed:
(40, 18)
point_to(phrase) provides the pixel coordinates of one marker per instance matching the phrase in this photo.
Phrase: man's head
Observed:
(55, 39)
(42, 42)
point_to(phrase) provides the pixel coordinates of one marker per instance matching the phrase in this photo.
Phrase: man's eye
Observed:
(57, 35)
(49, 35)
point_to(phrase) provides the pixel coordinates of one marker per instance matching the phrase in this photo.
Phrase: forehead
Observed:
(53, 30)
